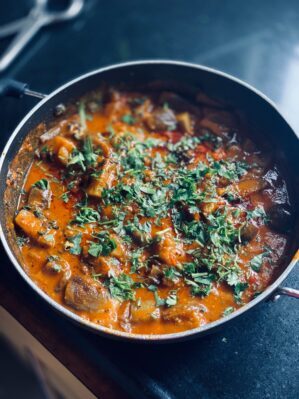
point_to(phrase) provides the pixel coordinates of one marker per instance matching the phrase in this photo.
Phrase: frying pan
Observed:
(267, 127)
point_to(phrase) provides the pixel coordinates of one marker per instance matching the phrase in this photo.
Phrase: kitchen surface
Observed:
(254, 357)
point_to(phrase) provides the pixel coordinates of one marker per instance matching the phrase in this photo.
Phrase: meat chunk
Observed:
(119, 251)
(185, 122)
(191, 314)
(35, 228)
(178, 103)
(220, 123)
(208, 207)
(100, 142)
(105, 180)
(170, 252)
(59, 267)
(62, 148)
(161, 119)
(155, 274)
(250, 186)
(84, 294)
(146, 311)
(104, 265)
(39, 198)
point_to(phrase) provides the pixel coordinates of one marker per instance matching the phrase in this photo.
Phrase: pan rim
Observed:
(109, 332)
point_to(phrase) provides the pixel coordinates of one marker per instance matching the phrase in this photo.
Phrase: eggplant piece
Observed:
(84, 294)
(281, 218)
(39, 198)
(161, 119)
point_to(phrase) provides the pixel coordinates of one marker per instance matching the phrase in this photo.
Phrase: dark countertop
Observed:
(258, 41)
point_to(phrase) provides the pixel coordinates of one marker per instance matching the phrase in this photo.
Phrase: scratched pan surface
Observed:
(267, 127)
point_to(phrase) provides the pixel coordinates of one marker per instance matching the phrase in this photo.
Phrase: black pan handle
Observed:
(13, 88)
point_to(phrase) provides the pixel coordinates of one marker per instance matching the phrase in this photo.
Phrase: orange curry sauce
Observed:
(149, 214)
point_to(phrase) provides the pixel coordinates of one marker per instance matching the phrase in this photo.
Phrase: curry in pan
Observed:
(147, 213)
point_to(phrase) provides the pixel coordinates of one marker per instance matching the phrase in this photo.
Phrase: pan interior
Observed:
(266, 125)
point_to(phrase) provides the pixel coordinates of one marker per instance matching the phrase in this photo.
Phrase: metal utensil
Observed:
(27, 27)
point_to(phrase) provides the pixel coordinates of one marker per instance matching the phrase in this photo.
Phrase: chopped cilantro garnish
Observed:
(87, 215)
(129, 119)
(171, 273)
(257, 261)
(121, 287)
(73, 244)
(65, 197)
(103, 245)
(21, 241)
(228, 311)
(238, 290)
(171, 299)
(49, 237)
(89, 156)
(43, 184)
(77, 158)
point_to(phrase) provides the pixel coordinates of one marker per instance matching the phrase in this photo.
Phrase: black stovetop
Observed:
(258, 41)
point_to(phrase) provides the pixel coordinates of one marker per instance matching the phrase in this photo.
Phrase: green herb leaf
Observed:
(129, 119)
(171, 299)
(159, 301)
(90, 157)
(103, 246)
(87, 215)
(121, 287)
(257, 261)
(21, 241)
(228, 311)
(73, 244)
(238, 290)
(43, 184)
(65, 197)
(171, 273)
(49, 237)
(77, 158)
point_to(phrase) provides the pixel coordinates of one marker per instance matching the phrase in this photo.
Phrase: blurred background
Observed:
(257, 41)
